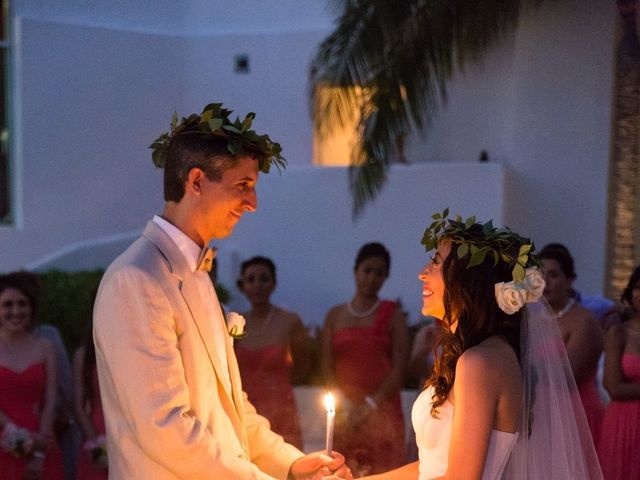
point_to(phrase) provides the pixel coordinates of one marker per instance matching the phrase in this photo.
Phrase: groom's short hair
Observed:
(191, 149)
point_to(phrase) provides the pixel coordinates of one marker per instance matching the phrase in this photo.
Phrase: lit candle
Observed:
(330, 405)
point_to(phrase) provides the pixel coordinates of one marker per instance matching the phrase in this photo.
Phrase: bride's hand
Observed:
(319, 466)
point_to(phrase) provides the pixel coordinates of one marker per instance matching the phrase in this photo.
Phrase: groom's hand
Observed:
(318, 466)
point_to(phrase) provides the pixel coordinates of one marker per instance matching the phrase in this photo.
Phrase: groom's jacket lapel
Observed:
(191, 295)
(236, 385)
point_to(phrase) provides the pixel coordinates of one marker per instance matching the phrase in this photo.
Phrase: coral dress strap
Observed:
(383, 316)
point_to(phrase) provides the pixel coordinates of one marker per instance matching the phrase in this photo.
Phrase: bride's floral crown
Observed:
(214, 120)
(475, 241)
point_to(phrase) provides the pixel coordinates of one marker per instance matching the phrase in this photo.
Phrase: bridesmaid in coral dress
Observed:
(620, 436)
(92, 461)
(274, 353)
(364, 353)
(27, 390)
(581, 332)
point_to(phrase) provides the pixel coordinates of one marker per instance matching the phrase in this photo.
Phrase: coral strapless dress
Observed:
(362, 360)
(593, 407)
(619, 445)
(21, 396)
(266, 378)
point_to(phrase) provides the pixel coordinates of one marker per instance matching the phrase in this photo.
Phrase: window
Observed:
(5, 167)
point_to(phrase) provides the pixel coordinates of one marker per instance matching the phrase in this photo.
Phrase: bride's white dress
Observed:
(434, 434)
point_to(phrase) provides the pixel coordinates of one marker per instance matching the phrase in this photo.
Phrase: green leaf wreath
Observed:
(215, 120)
(477, 241)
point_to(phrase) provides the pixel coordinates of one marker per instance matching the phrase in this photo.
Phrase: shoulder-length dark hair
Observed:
(469, 299)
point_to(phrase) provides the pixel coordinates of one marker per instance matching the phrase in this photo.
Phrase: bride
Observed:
(501, 402)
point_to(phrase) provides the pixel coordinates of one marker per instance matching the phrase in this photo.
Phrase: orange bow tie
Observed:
(205, 260)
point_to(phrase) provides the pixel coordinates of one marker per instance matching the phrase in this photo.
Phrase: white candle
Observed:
(330, 405)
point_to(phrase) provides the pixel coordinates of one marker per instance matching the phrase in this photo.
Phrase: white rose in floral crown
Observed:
(534, 284)
(235, 325)
(510, 297)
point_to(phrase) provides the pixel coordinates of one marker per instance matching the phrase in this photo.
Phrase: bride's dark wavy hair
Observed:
(469, 298)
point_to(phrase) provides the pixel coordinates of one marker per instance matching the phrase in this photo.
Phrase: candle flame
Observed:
(329, 402)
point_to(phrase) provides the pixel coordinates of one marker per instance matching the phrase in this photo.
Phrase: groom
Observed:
(169, 380)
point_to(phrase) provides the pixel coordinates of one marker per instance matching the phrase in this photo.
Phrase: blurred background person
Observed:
(422, 355)
(602, 308)
(273, 355)
(364, 355)
(27, 389)
(419, 370)
(581, 332)
(64, 427)
(619, 444)
(92, 461)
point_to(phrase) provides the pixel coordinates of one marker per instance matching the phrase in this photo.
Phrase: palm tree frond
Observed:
(388, 63)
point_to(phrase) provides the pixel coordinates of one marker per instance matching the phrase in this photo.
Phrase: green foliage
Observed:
(66, 301)
(224, 296)
(476, 241)
(214, 120)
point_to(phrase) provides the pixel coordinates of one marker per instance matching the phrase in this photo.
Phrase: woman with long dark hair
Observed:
(500, 401)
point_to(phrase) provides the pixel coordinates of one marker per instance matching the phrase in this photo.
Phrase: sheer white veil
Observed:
(554, 441)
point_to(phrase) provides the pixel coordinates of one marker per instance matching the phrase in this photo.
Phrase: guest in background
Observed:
(419, 370)
(274, 352)
(421, 358)
(92, 462)
(64, 427)
(364, 354)
(602, 308)
(619, 442)
(27, 389)
(580, 330)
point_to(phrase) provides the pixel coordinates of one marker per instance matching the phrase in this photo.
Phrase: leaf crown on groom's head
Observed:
(477, 241)
(214, 120)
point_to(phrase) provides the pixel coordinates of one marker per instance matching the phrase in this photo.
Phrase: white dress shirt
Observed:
(191, 252)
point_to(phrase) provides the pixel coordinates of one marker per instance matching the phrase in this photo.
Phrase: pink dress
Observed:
(21, 396)
(87, 470)
(619, 446)
(266, 378)
(593, 407)
(362, 360)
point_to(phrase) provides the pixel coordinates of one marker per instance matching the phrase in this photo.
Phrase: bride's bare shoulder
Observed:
(488, 361)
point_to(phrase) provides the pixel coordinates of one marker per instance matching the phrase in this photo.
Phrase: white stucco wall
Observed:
(92, 100)
(97, 81)
(180, 17)
(540, 104)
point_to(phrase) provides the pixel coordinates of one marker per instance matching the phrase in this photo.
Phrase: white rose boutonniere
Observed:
(534, 284)
(510, 298)
(235, 325)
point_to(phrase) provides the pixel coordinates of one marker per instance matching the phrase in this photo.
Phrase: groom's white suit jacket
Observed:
(168, 415)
